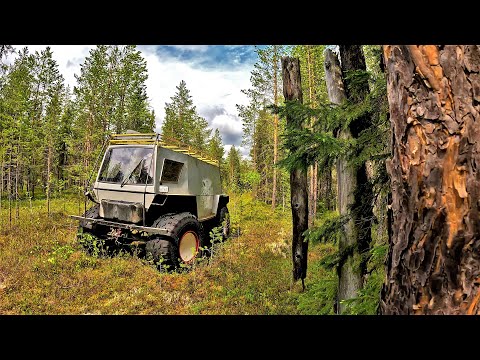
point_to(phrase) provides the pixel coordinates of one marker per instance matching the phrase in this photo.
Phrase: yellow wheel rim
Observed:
(188, 246)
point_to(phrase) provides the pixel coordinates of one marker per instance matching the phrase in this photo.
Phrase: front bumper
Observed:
(89, 221)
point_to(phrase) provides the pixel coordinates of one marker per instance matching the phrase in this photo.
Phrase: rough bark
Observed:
(292, 91)
(349, 277)
(313, 168)
(433, 265)
(353, 60)
(333, 78)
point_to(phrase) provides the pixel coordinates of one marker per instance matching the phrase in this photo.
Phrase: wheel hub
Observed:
(188, 246)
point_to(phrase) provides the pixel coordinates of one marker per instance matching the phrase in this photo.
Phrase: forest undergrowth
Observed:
(44, 270)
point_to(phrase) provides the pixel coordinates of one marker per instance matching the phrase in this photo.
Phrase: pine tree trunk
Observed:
(17, 205)
(353, 59)
(315, 189)
(62, 161)
(292, 91)
(254, 162)
(10, 188)
(312, 170)
(49, 169)
(362, 210)
(433, 265)
(275, 129)
(265, 189)
(349, 276)
(36, 119)
(1, 190)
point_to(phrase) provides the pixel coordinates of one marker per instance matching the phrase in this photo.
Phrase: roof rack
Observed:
(165, 142)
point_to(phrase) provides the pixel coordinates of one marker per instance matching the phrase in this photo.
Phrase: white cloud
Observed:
(199, 48)
(228, 124)
(209, 88)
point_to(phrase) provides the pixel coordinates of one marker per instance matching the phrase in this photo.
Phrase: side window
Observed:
(171, 170)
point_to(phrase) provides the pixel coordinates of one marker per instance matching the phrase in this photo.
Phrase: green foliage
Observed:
(327, 228)
(250, 179)
(215, 243)
(182, 121)
(43, 125)
(233, 164)
(49, 136)
(320, 143)
(215, 147)
(5, 51)
(93, 245)
(367, 301)
(320, 295)
(308, 146)
(312, 72)
(331, 261)
(59, 254)
(319, 298)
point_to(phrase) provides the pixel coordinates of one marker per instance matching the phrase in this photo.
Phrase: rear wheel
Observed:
(224, 222)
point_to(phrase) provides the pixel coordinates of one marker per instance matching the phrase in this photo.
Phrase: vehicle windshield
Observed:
(127, 165)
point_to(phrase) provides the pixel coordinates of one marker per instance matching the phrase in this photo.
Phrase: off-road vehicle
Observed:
(156, 194)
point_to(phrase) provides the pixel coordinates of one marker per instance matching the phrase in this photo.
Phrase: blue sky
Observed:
(214, 74)
(209, 56)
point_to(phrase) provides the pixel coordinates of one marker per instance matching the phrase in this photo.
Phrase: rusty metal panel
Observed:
(121, 211)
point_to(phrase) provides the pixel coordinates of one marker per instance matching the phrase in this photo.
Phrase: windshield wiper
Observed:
(131, 172)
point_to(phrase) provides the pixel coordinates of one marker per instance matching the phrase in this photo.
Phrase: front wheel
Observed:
(186, 238)
(188, 246)
(162, 252)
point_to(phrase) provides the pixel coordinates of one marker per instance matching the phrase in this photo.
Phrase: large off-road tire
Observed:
(215, 223)
(162, 252)
(224, 216)
(186, 236)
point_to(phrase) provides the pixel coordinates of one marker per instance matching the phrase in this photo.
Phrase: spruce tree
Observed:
(215, 147)
(182, 121)
(233, 163)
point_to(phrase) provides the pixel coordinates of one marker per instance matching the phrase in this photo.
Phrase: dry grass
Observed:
(44, 271)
